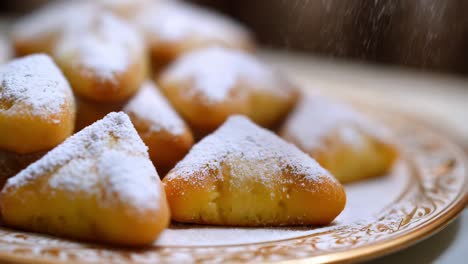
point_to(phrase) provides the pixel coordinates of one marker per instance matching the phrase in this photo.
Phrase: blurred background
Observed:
(424, 34)
(409, 56)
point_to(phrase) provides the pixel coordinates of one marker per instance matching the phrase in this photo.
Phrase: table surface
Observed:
(440, 100)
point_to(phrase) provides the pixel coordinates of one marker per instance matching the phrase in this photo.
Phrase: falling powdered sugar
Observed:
(216, 71)
(107, 156)
(33, 85)
(317, 117)
(247, 149)
(150, 105)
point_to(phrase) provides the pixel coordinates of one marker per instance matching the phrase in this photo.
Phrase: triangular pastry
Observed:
(37, 108)
(99, 185)
(346, 142)
(244, 175)
(208, 85)
(164, 132)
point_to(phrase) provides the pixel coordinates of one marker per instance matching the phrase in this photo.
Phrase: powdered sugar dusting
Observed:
(130, 178)
(106, 46)
(247, 149)
(317, 117)
(150, 105)
(170, 21)
(217, 70)
(33, 85)
(108, 153)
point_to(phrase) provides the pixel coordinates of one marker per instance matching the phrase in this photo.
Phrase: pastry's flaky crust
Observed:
(165, 148)
(210, 199)
(111, 225)
(27, 133)
(260, 105)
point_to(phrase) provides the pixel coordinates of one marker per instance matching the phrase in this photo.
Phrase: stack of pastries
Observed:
(106, 98)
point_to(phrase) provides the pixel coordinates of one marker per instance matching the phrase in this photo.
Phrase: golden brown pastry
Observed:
(173, 28)
(99, 185)
(37, 108)
(104, 59)
(244, 175)
(343, 141)
(208, 85)
(160, 127)
(39, 32)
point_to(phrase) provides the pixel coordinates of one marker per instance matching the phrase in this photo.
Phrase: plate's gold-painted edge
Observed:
(389, 246)
(368, 250)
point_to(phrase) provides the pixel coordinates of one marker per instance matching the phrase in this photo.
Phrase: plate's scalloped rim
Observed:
(440, 169)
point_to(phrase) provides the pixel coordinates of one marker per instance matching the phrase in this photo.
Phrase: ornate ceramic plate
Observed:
(425, 191)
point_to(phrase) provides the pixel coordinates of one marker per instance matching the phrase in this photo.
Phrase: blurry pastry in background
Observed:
(345, 142)
(37, 107)
(37, 111)
(39, 32)
(208, 85)
(172, 28)
(104, 60)
(99, 185)
(244, 175)
(5, 49)
(124, 8)
(160, 127)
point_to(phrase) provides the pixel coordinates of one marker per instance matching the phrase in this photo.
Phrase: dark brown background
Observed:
(427, 34)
